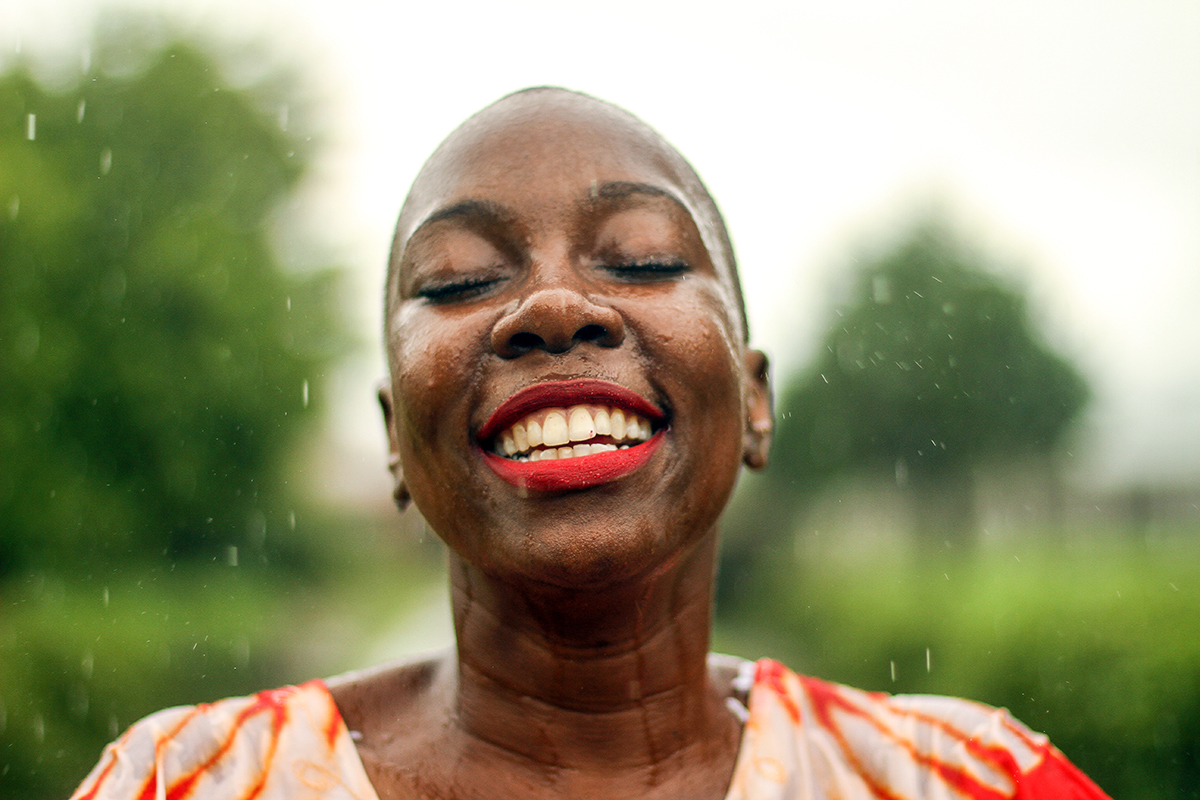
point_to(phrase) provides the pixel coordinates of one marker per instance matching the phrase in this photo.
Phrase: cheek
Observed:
(431, 362)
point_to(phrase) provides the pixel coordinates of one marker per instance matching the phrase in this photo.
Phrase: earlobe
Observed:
(399, 487)
(760, 418)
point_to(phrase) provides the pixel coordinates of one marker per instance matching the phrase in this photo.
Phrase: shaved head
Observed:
(551, 114)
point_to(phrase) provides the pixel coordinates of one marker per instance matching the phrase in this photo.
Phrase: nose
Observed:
(555, 319)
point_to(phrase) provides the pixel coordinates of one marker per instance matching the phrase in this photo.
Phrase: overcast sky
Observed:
(1064, 134)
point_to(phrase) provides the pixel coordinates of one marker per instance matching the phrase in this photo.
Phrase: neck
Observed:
(593, 680)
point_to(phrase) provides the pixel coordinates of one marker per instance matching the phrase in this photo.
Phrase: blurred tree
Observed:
(159, 366)
(157, 362)
(931, 368)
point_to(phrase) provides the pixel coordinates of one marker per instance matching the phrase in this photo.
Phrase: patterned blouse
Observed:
(804, 739)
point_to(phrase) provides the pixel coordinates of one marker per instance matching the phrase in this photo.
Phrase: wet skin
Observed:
(552, 252)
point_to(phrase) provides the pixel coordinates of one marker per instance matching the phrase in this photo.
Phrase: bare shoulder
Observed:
(383, 701)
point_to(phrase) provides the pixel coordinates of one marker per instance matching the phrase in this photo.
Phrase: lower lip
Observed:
(569, 474)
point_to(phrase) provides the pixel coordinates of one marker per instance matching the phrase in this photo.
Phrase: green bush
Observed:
(1096, 644)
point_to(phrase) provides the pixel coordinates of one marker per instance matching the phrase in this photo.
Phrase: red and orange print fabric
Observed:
(804, 739)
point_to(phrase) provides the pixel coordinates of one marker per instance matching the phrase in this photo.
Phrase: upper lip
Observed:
(562, 394)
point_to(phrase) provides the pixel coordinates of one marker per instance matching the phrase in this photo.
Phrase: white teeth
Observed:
(554, 429)
(617, 421)
(568, 433)
(580, 425)
(533, 431)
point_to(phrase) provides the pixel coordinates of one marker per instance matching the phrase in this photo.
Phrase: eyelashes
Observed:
(470, 288)
(457, 290)
(648, 270)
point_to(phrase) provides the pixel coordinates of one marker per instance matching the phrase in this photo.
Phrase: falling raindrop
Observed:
(106, 597)
(240, 650)
(88, 663)
(881, 290)
(289, 302)
(928, 660)
(231, 555)
(105, 161)
(39, 728)
(14, 205)
(31, 126)
(304, 393)
(79, 111)
(893, 663)
(79, 701)
(292, 520)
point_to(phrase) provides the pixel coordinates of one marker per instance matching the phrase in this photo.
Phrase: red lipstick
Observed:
(562, 394)
(569, 473)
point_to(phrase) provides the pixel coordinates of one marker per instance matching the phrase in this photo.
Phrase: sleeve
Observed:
(1056, 778)
(128, 766)
(274, 745)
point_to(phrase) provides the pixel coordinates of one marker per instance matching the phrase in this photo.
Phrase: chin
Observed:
(591, 559)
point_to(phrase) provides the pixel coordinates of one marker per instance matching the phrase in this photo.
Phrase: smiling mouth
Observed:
(566, 435)
(581, 430)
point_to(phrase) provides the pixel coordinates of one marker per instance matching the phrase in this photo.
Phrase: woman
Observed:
(570, 400)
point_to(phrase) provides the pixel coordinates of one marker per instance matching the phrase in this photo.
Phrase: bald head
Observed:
(550, 128)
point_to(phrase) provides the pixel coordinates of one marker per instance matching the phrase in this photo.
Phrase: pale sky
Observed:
(1064, 134)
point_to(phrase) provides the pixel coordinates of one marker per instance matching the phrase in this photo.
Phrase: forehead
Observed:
(545, 148)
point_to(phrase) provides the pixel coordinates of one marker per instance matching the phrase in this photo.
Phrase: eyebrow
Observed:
(621, 190)
(487, 211)
(482, 210)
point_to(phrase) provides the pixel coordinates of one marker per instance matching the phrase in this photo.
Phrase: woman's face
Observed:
(569, 398)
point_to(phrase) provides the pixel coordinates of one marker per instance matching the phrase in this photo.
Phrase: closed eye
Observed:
(649, 270)
(456, 291)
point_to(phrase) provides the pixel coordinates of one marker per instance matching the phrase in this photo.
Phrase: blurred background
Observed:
(970, 243)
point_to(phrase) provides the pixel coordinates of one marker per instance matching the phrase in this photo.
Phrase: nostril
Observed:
(524, 341)
(591, 333)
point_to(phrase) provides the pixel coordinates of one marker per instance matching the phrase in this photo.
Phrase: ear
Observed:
(399, 489)
(760, 417)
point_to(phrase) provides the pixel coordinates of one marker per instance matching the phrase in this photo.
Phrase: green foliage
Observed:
(157, 360)
(84, 658)
(1098, 644)
(160, 367)
(931, 367)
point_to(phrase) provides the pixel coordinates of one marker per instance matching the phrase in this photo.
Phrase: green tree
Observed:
(159, 365)
(157, 361)
(931, 368)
